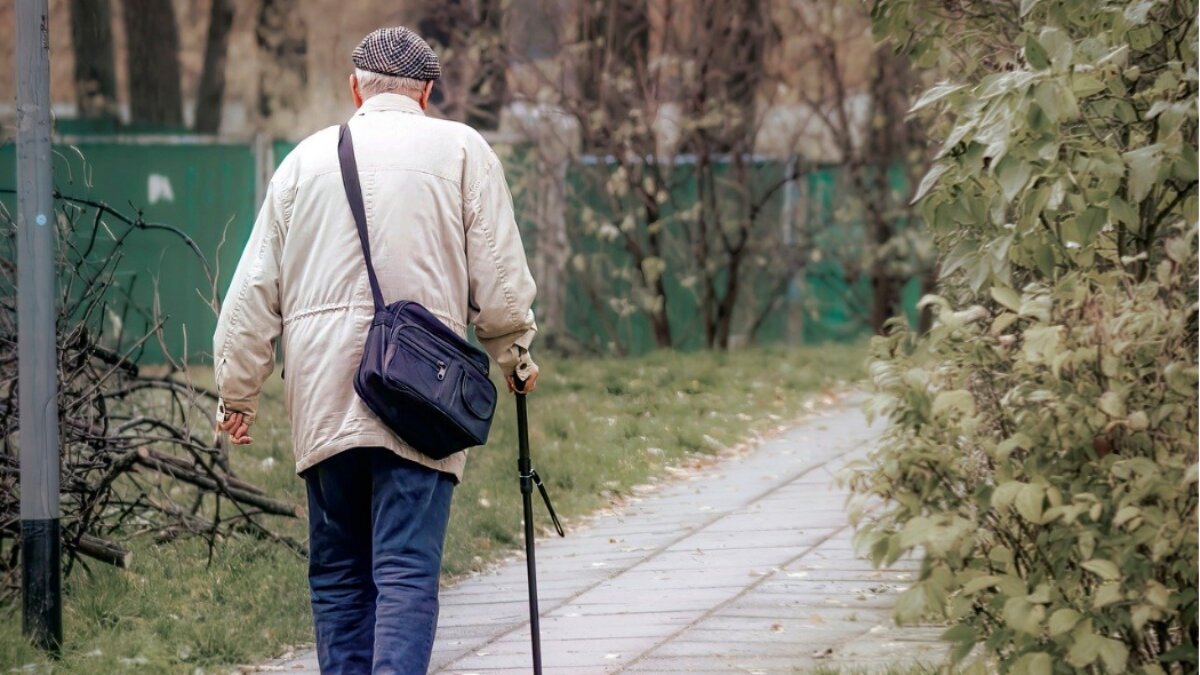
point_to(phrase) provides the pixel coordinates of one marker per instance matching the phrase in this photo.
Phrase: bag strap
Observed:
(354, 196)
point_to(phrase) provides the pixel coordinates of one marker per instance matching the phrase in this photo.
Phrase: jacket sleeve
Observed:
(250, 320)
(501, 287)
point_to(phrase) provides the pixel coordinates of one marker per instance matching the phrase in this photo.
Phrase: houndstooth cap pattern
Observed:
(398, 52)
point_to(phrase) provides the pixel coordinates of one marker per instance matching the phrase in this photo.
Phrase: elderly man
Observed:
(441, 233)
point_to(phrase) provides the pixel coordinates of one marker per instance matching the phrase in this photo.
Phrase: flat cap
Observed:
(398, 52)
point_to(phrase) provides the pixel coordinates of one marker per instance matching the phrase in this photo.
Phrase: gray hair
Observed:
(371, 83)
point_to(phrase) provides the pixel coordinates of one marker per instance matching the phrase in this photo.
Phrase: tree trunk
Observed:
(552, 249)
(446, 26)
(95, 67)
(728, 303)
(153, 56)
(282, 39)
(888, 137)
(884, 293)
(489, 88)
(618, 35)
(211, 95)
(662, 327)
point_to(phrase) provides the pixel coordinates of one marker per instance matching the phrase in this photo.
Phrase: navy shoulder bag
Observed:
(422, 380)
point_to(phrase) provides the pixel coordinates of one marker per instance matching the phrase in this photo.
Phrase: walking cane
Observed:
(530, 478)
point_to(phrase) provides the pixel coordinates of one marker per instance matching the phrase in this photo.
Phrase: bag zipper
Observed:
(442, 367)
(465, 357)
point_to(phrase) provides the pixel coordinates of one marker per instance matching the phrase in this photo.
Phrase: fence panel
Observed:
(207, 190)
(204, 189)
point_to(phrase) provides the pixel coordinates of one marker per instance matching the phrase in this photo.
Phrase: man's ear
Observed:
(354, 92)
(425, 94)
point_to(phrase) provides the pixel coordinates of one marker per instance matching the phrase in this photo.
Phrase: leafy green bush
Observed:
(1042, 440)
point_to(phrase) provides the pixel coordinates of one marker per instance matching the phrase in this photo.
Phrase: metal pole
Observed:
(41, 585)
(525, 472)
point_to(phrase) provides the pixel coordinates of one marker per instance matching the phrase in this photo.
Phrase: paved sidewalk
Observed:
(744, 568)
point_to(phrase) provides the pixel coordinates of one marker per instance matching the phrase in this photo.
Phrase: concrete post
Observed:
(41, 592)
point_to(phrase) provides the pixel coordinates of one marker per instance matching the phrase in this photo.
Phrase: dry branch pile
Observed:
(138, 456)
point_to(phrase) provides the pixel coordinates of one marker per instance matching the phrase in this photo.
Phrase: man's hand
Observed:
(238, 429)
(528, 372)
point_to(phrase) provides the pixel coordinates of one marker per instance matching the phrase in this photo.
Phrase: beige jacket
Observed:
(442, 234)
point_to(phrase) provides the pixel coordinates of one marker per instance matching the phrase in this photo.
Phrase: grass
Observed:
(598, 428)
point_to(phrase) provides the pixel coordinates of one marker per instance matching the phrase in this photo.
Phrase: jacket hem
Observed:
(451, 466)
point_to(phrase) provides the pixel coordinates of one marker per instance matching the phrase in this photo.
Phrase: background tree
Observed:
(680, 208)
(877, 145)
(489, 86)
(95, 66)
(470, 37)
(639, 102)
(282, 38)
(152, 40)
(211, 95)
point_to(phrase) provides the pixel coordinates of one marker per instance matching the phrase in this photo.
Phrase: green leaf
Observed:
(1192, 475)
(1013, 174)
(1084, 650)
(1002, 323)
(1062, 621)
(1108, 593)
(1033, 663)
(931, 178)
(1140, 615)
(1029, 502)
(1143, 165)
(1185, 167)
(1007, 297)
(935, 94)
(910, 604)
(916, 532)
(1125, 514)
(1021, 615)
(1044, 256)
(1122, 211)
(1056, 103)
(979, 583)
(1036, 54)
(1105, 569)
(1157, 595)
(1178, 249)
(1181, 379)
(959, 633)
(1005, 494)
(963, 636)
(957, 400)
(1041, 343)
(1114, 654)
(1089, 222)
(1027, 5)
(1059, 46)
(1085, 85)
(1112, 404)
(1137, 12)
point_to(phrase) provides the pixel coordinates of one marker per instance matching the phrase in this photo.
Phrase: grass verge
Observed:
(598, 428)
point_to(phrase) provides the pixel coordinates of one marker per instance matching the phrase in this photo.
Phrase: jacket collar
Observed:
(390, 103)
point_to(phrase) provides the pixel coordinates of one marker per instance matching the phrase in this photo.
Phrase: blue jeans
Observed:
(376, 527)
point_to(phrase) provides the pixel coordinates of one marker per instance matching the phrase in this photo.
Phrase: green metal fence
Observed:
(208, 190)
